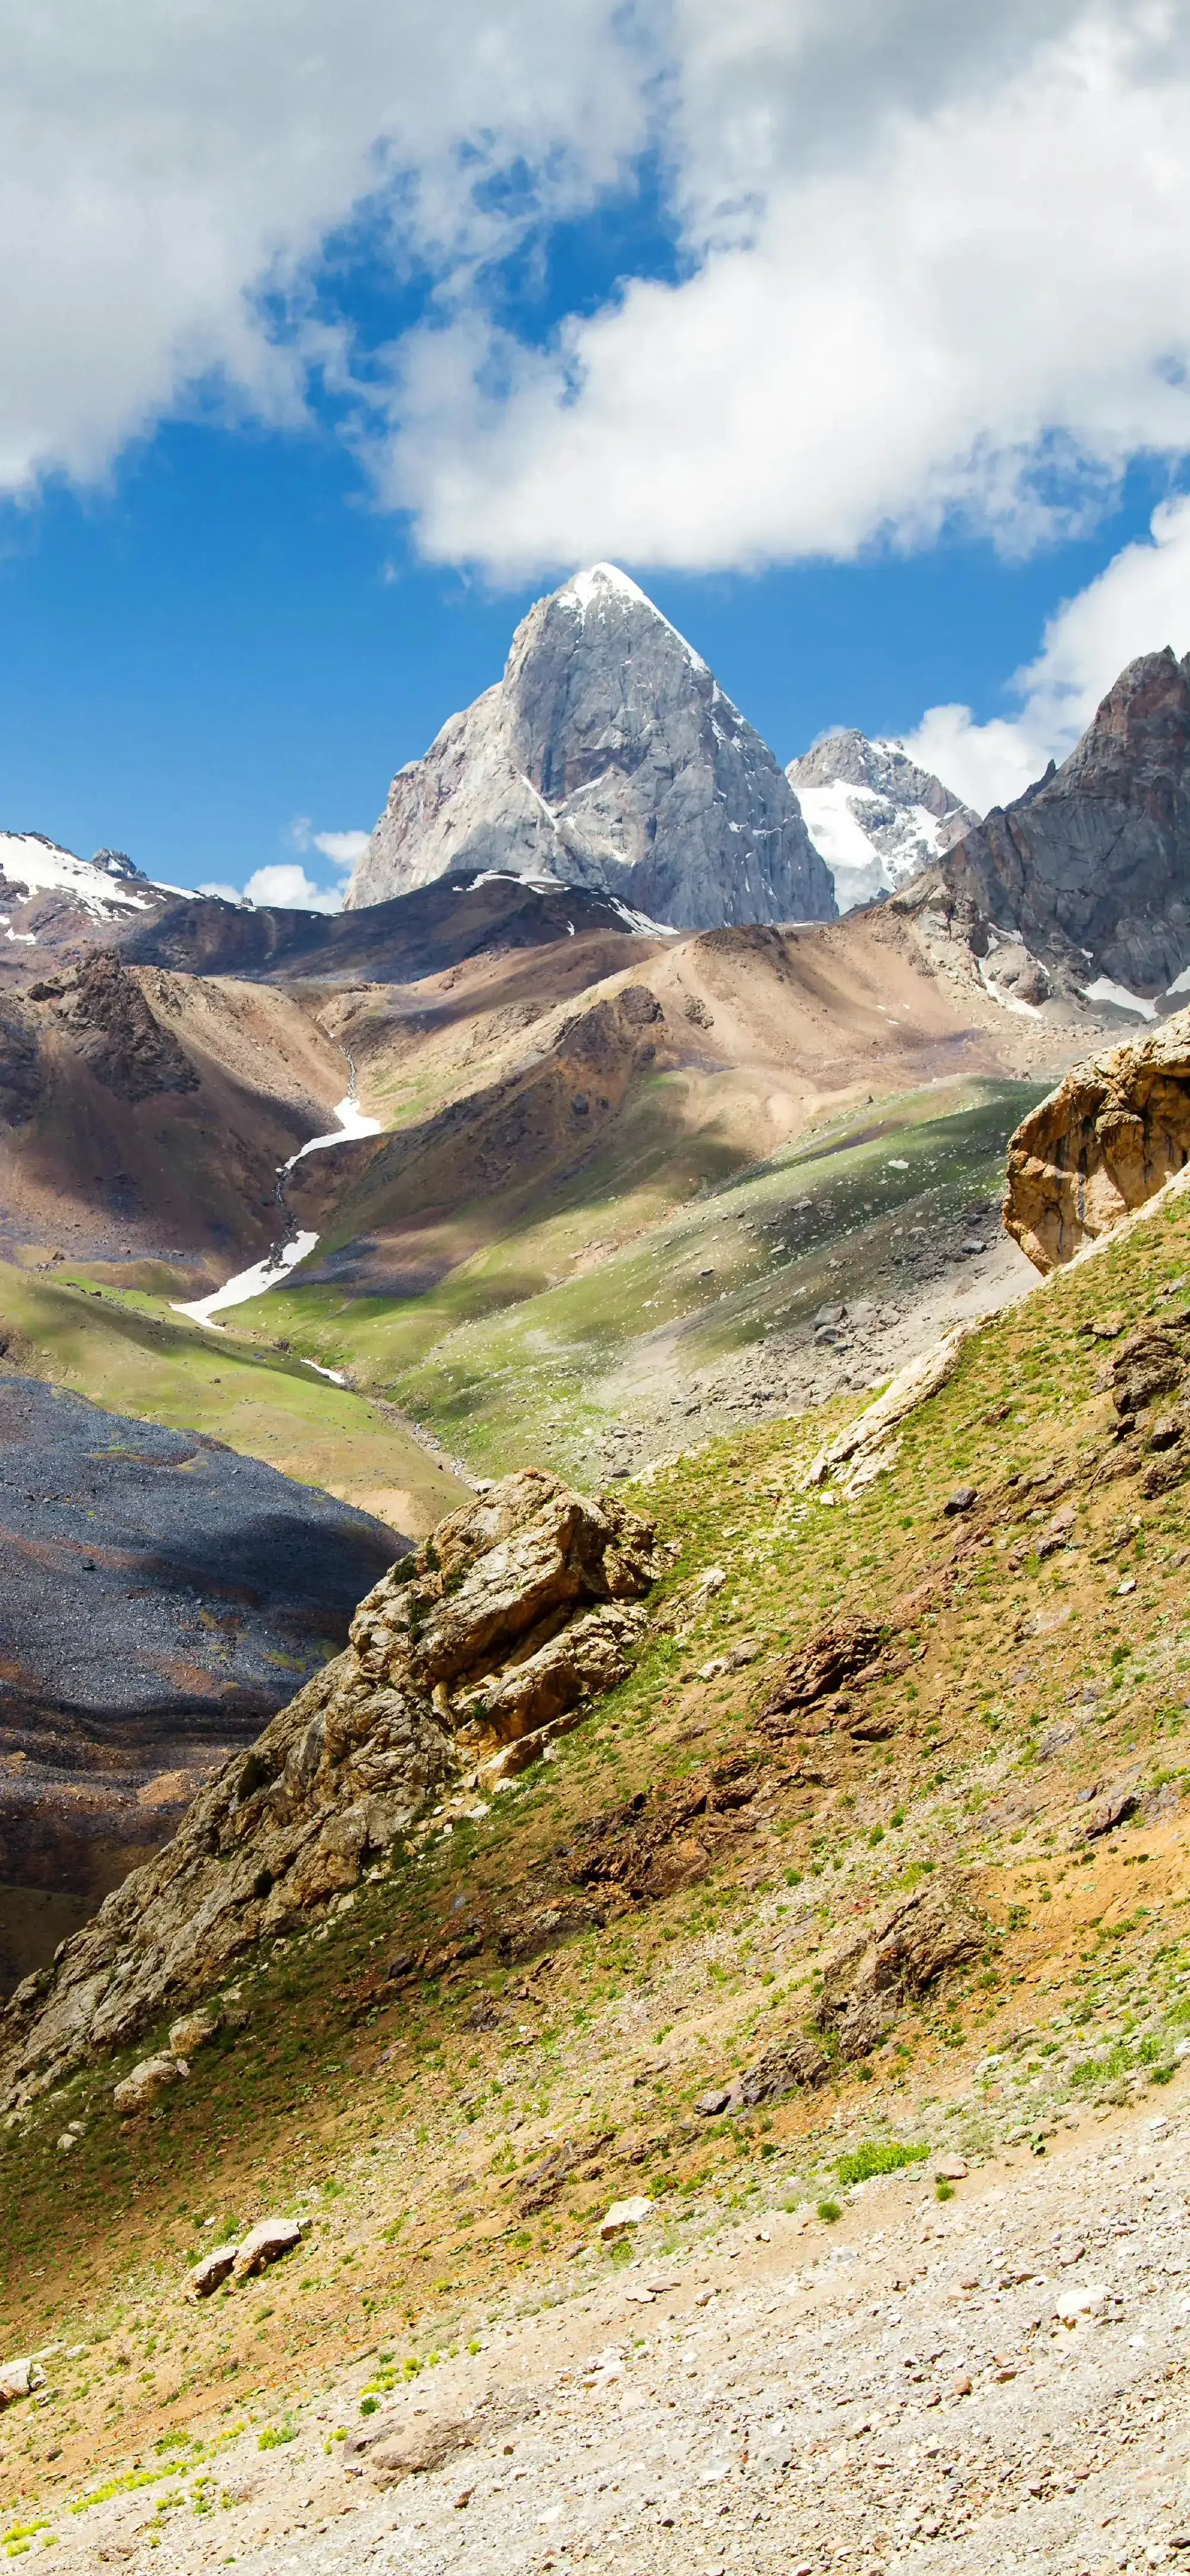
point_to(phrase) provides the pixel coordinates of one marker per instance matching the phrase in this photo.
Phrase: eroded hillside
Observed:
(938, 1689)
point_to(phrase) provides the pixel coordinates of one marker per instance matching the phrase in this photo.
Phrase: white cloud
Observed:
(342, 848)
(287, 885)
(163, 170)
(223, 892)
(1139, 603)
(937, 267)
(931, 260)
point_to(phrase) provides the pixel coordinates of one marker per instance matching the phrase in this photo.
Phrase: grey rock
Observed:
(263, 2245)
(1091, 866)
(875, 817)
(609, 758)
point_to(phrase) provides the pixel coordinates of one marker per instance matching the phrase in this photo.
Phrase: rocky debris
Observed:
(897, 1957)
(19, 2379)
(162, 1598)
(609, 758)
(211, 2270)
(623, 2216)
(874, 816)
(265, 2244)
(287, 1828)
(831, 1658)
(1089, 867)
(663, 1839)
(1110, 1809)
(103, 1010)
(1111, 1135)
(147, 2082)
(790, 2066)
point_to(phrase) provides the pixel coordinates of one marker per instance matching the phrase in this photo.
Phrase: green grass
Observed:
(878, 2156)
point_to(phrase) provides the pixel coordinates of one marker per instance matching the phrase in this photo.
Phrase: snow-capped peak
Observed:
(873, 815)
(99, 886)
(601, 583)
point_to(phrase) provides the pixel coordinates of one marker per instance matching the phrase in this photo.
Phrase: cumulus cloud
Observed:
(285, 885)
(169, 178)
(342, 848)
(930, 262)
(932, 272)
(1139, 603)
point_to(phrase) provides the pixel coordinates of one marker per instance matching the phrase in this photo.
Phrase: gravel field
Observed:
(992, 2382)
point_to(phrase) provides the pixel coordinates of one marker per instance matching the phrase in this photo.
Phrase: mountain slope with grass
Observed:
(954, 1659)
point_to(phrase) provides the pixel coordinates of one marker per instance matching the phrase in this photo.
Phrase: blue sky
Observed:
(882, 407)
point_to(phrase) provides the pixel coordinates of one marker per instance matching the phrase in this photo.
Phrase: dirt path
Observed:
(996, 2382)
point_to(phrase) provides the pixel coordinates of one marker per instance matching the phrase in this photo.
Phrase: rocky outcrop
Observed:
(102, 1008)
(1090, 869)
(429, 1688)
(607, 757)
(896, 1958)
(873, 815)
(1100, 1145)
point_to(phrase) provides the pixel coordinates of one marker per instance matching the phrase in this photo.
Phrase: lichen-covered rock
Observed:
(788, 2066)
(521, 1604)
(1111, 1135)
(900, 1954)
(194, 2030)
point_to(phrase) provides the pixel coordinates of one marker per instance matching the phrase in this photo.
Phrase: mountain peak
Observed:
(872, 814)
(606, 757)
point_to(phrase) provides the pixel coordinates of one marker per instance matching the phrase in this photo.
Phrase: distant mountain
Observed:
(607, 757)
(1090, 868)
(54, 905)
(873, 815)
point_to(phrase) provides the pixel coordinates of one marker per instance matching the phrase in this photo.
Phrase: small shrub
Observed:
(878, 2156)
(369, 2405)
(943, 2190)
(275, 2434)
(829, 2210)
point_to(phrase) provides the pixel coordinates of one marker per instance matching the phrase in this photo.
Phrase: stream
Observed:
(293, 1246)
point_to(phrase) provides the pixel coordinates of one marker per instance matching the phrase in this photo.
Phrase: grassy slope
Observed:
(406, 2127)
(123, 1352)
(508, 1357)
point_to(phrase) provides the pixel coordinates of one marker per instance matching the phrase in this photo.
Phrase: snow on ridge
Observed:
(587, 589)
(29, 859)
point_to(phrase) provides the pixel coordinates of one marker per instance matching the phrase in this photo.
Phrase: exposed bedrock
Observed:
(1100, 1145)
(522, 1605)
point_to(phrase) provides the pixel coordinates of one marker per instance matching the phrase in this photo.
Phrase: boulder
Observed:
(263, 2245)
(622, 2216)
(1111, 1135)
(211, 2269)
(523, 1603)
(19, 2379)
(392, 2450)
(193, 2030)
(148, 2082)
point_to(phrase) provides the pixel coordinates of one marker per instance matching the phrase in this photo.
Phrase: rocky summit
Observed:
(607, 757)
(874, 816)
(1091, 867)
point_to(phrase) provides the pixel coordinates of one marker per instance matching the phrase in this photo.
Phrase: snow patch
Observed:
(352, 1122)
(1103, 990)
(839, 818)
(249, 1283)
(42, 867)
(1007, 1001)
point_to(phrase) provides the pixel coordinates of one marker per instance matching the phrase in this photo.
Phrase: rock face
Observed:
(422, 1693)
(54, 905)
(1091, 867)
(1100, 1145)
(873, 815)
(161, 1596)
(607, 757)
